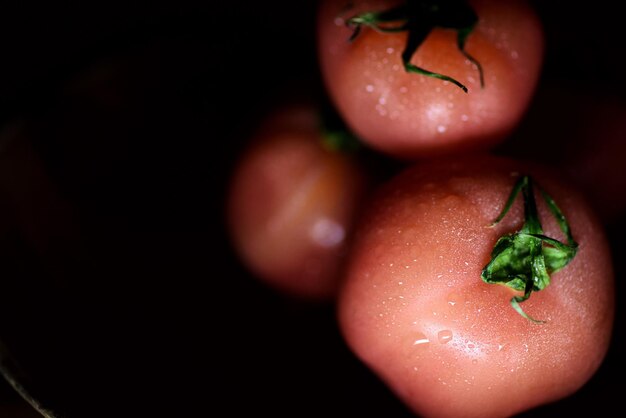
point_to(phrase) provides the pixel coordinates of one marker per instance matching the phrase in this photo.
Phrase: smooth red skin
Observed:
(289, 197)
(414, 274)
(410, 115)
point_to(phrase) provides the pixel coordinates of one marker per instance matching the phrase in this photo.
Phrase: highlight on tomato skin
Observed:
(409, 115)
(414, 309)
(291, 204)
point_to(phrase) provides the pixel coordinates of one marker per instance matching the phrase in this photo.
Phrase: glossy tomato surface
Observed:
(410, 115)
(415, 310)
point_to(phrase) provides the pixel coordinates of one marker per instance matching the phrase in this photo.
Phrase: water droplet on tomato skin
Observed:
(420, 340)
(415, 344)
(444, 336)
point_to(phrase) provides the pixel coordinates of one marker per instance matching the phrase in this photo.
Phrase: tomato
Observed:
(410, 115)
(291, 205)
(414, 309)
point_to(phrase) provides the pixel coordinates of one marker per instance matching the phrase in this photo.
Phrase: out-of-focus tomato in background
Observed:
(121, 121)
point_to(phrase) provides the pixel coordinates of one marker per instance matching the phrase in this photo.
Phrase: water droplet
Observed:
(416, 342)
(369, 88)
(441, 129)
(390, 50)
(453, 299)
(444, 336)
(421, 340)
(464, 118)
(474, 361)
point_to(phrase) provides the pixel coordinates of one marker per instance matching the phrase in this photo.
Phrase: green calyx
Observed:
(418, 18)
(525, 259)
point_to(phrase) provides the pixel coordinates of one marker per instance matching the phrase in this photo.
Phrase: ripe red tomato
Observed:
(292, 203)
(414, 308)
(411, 115)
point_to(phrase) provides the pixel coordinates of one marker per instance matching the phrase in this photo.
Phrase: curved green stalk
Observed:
(419, 18)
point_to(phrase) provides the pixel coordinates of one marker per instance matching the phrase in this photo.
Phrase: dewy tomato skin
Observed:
(291, 205)
(410, 115)
(414, 309)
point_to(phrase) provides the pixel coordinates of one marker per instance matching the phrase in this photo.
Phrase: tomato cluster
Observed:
(417, 194)
(476, 280)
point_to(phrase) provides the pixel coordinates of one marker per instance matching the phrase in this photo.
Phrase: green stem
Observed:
(419, 18)
(525, 259)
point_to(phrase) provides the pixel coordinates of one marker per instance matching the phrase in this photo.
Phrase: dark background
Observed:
(120, 295)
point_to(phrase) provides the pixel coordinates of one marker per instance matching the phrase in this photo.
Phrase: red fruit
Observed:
(414, 308)
(292, 203)
(410, 115)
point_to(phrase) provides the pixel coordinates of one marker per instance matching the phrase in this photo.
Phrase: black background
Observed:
(128, 301)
